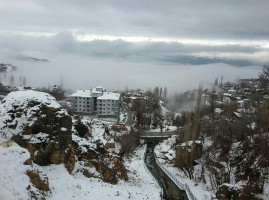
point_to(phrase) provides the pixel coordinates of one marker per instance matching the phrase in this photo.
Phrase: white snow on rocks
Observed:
(14, 183)
(19, 102)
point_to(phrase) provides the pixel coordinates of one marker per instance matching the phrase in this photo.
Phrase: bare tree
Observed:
(24, 81)
(12, 80)
(165, 92)
(264, 79)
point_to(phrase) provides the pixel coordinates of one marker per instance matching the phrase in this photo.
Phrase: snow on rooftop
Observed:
(109, 95)
(82, 93)
(98, 89)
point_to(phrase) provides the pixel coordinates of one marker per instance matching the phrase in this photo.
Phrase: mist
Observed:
(121, 64)
(83, 72)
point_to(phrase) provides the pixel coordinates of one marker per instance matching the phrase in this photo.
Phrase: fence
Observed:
(175, 180)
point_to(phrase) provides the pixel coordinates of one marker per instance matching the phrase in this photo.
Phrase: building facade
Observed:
(106, 104)
(82, 102)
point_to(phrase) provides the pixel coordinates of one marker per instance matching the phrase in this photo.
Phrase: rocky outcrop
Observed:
(109, 166)
(35, 121)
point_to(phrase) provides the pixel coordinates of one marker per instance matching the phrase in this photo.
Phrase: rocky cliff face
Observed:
(93, 154)
(35, 121)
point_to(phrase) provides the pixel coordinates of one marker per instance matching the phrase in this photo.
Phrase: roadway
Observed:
(129, 120)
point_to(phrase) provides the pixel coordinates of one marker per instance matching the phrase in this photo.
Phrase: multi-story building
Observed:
(89, 101)
(82, 101)
(108, 104)
(95, 93)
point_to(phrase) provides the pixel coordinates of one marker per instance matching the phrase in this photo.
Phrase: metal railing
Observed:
(180, 185)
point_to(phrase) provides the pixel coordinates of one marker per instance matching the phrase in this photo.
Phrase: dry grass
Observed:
(37, 181)
(7, 143)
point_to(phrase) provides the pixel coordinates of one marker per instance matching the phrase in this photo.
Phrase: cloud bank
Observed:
(136, 43)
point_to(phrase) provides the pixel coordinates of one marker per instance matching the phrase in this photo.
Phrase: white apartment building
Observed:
(87, 101)
(95, 93)
(82, 101)
(108, 104)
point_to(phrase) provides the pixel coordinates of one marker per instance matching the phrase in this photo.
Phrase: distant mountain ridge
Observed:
(32, 59)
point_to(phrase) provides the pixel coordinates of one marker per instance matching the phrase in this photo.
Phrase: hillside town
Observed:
(217, 148)
(134, 100)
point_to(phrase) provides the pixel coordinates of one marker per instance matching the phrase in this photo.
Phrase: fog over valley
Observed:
(118, 99)
(119, 64)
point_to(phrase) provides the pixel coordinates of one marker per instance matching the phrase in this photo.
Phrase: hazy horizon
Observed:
(136, 44)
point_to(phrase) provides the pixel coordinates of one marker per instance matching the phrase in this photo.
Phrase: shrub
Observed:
(129, 142)
(81, 129)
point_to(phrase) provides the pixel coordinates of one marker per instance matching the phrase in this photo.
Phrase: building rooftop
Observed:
(82, 93)
(109, 95)
(98, 89)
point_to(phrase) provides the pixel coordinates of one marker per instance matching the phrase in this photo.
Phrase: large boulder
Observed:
(37, 122)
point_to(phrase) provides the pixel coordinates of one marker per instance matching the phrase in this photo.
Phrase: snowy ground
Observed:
(14, 181)
(123, 117)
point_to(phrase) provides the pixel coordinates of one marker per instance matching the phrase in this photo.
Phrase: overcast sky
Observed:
(209, 34)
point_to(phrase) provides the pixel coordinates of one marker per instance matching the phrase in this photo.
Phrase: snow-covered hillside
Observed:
(34, 166)
(201, 182)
